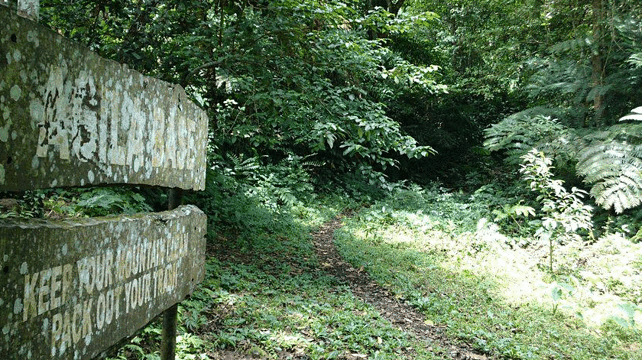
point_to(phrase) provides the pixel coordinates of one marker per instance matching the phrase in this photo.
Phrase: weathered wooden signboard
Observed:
(71, 289)
(71, 118)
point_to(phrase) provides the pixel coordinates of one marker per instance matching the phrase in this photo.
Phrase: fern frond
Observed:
(560, 78)
(241, 166)
(519, 133)
(636, 60)
(615, 170)
(621, 193)
(637, 151)
(636, 114)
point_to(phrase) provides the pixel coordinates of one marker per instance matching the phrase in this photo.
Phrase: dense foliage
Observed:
(528, 110)
(344, 84)
(580, 86)
(279, 78)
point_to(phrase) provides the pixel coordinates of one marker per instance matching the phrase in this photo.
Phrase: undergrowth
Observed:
(471, 263)
(265, 295)
(76, 202)
(443, 253)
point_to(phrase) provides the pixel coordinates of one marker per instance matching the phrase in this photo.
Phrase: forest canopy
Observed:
(374, 85)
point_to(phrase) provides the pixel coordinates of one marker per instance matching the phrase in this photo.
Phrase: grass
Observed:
(438, 252)
(290, 312)
(266, 296)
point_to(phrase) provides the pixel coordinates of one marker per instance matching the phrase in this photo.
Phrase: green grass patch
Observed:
(439, 252)
(265, 296)
(274, 311)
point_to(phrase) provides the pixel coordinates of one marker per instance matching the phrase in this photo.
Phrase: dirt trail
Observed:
(398, 313)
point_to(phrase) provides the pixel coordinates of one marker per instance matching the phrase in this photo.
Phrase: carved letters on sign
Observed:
(78, 119)
(100, 279)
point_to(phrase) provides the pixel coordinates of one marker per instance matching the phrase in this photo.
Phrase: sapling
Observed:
(564, 212)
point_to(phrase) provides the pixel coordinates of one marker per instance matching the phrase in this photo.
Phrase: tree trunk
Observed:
(597, 62)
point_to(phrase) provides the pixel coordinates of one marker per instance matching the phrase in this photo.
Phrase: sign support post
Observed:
(170, 316)
(170, 323)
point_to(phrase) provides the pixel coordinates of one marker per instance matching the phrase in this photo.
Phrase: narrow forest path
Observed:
(398, 313)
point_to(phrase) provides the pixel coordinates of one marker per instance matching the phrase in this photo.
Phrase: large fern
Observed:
(565, 80)
(635, 60)
(636, 114)
(609, 160)
(612, 164)
(519, 133)
(614, 170)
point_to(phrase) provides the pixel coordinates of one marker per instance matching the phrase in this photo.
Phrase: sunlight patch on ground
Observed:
(516, 271)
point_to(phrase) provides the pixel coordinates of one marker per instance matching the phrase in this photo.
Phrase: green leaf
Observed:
(556, 293)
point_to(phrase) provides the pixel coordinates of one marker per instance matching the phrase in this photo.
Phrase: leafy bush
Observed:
(608, 159)
(80, 202)
(25, 206)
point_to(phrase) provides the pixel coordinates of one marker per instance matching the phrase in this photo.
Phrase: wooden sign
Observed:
(71, 289)
(71, 118)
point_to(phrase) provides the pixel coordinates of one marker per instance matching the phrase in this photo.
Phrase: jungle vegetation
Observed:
(489, 153)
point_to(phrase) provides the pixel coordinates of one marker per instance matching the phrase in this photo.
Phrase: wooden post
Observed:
(175, 197)
(170, 316)
(168, 344)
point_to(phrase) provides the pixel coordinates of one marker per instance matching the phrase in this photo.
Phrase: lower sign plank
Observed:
(71, 289)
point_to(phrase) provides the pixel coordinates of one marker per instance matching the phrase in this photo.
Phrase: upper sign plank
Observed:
(71, 118)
